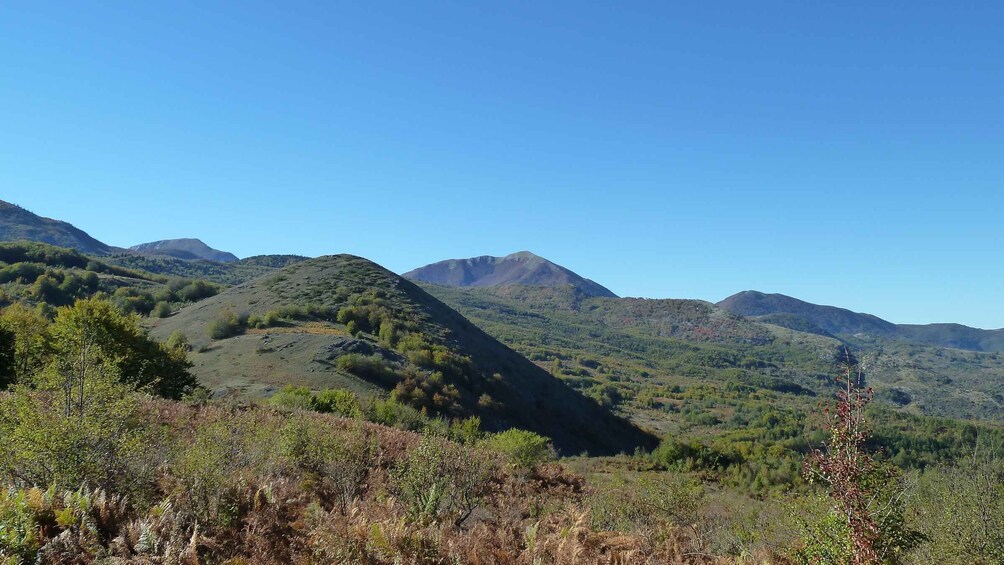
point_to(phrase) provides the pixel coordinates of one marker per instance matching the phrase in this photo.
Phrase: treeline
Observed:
(92, 337)
(53, 277)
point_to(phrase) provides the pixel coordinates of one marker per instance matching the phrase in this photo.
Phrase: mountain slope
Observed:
(829, 320)
(185, 248)
(394, 336)
(523, 268)
(631, 350)
(16, 223)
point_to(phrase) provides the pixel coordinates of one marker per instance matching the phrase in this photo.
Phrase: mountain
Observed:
(523, 268)
(185, 248)
(343, 321)
(16, 223)
(829, 320)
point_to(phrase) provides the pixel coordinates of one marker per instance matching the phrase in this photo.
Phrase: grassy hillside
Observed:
(344, 321)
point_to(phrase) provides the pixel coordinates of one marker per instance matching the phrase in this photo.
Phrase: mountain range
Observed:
(552, 336)
(16, 224)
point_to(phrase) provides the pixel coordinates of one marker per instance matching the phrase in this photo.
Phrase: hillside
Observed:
(829, 320)
(223, 273)
(46, 276)
(16, 223)
(523, 268)
(629, 350)
(343, 321)
(186, 248)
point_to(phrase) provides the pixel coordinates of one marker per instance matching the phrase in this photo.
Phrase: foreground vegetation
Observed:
(94, 467)
(110, 452)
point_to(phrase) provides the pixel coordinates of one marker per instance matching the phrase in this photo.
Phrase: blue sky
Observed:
(845, 153)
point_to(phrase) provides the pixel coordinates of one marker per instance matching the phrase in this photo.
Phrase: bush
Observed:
(337, 462)
(293, 397)
(19, 539)
(337, 401)
(651, 503)
(369, 367)
(394, 414)
(524, 449)
(440, 479)
(197, 290)
(229, 324)
(161, 310)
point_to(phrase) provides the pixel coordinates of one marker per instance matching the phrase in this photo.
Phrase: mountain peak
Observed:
(185, 248)
(520, 268)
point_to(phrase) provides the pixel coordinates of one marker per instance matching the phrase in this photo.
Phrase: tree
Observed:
(92, 335)
(30, 331)
(866, 523)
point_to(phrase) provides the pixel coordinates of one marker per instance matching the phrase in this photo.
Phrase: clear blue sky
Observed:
(848, 153)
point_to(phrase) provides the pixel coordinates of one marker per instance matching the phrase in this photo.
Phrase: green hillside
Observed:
(233, 273)
(48, 276)
(343, 321)
(852, 326)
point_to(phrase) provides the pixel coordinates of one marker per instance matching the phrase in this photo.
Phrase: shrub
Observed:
(293, 397)
(371, 367)
(19, 539)
(440, 479)
(161, 310)
(337, 401)
(197, 290)
(524, 449)
(338, 460)
(394, 414)
(228, 324)
(649, 504)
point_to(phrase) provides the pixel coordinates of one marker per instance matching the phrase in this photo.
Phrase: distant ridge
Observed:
(185, 248)
(796, 314)
(16, 223)
(522, 268)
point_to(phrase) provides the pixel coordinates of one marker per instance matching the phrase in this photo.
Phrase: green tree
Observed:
(93, 335)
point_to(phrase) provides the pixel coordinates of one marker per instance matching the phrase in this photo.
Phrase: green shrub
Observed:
(651, 503)
(161, 310)
(524, 449)
(369, 367)
(228, 324)
(333, 460)
(197, 290)
(337, 401)
(440, 479)
(395, 414)
(293, 397)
